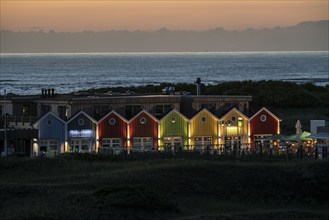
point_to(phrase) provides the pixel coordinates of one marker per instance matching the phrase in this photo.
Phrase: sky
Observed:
(102, 15)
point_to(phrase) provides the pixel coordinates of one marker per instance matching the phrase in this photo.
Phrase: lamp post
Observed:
(4, 107)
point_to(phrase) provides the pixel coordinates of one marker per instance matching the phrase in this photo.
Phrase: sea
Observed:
(27, 74)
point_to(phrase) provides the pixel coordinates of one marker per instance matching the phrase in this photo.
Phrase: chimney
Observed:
(198, 86)
(48, 94)
(52, 92)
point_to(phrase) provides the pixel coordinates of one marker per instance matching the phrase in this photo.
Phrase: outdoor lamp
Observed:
(240, 122)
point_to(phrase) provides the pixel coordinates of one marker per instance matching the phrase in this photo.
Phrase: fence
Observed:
(221, 151)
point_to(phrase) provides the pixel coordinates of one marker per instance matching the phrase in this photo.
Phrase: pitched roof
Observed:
(177, 112)
(268, 111)
(79, 113)
(207, 111)
(112, 112)
(45, 115)
(141, 112)
(236, 110)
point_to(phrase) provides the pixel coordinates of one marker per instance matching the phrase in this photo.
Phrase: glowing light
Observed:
(240, 122)
(232, 130)
(81, 133)
(189, 133)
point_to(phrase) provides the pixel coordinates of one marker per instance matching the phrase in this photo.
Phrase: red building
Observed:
(112, 131)
(262, 124)
(143, 131)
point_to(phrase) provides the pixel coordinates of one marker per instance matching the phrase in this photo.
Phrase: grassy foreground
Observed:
(90, 187)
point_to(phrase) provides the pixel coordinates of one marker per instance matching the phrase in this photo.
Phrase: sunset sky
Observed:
(76, 15)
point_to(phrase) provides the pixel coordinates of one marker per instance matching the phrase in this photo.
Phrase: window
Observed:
(198, 139)
(49, 122)
(240, 122)
(111, 142)
(142, 120)
(81, 122)
(142, 142)
(106, 142)
(112, 121)
(62, 111)
(48, 146)
(132, 110)
(84, 145)
(161, 109)
(263, 118)
(74, 146)
(173, 120)
(233, 118)
(43, 146)
(53, 146)
(203, 119)
(207, 139)
(26, 110)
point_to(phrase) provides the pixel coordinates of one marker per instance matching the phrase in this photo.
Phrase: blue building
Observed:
(81, 132)
(51, 135)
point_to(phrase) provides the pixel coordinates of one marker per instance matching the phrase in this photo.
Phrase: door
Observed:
(81, 145)
(232, 142)
(203, 142)
(175, 142)
(142, 143)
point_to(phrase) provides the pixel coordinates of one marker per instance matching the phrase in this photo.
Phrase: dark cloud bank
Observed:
(306, 36)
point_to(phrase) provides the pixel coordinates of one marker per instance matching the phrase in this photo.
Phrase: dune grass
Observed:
(89, 187)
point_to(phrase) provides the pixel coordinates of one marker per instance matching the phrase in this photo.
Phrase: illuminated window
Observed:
(142, 120)
(112, 121)
(240, 122)
(263, 118)
(198, 139)
(81, 122)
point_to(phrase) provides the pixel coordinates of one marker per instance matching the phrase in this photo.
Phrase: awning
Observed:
(276, 137)
(319, 136)
(299, 137)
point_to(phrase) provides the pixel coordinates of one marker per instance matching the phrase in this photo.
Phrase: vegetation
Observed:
(84, 186)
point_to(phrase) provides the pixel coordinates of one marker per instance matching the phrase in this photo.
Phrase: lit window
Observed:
(198, 139)
(240, 122)
(81, 121)
(112, 121)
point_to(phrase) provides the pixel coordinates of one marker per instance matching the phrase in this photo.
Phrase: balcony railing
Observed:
(13, 120)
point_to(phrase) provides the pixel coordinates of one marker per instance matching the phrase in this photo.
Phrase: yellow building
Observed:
(203, 129)
(234, 129)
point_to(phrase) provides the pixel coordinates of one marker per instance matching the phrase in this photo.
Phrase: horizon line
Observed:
(50, 30)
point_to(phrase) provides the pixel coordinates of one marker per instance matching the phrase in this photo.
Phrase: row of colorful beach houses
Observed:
(82, 133)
